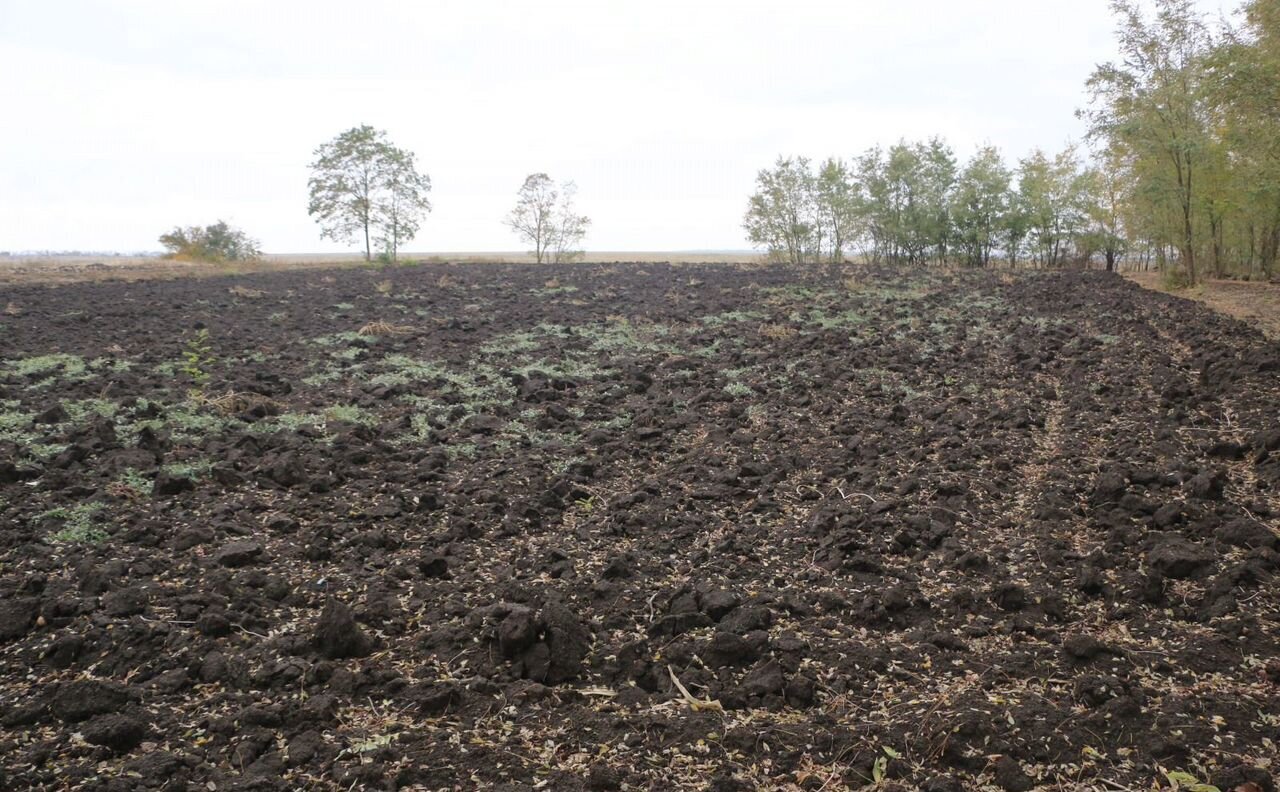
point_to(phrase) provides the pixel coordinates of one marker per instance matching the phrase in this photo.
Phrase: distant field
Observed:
(78, 268)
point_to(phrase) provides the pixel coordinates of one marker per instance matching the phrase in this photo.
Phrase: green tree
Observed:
(1052, 195)
(399, 209)
(362, 186)
(1245, 74)
(1105, 199)
(939, 176)
(980, 205)
(782, 214)
(836, 203)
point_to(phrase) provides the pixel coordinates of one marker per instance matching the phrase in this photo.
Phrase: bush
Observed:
(218, 242)
(1176, 279)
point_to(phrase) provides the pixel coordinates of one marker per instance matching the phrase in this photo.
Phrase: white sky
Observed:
(121, 119)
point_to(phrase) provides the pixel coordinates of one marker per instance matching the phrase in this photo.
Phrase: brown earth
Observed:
(1254, 302)
(63, 269)
(636, 527)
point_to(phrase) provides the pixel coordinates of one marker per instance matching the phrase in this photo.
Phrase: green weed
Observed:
(349, 413)
(77, 524)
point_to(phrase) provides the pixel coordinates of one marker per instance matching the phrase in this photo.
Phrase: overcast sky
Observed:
(125, 118)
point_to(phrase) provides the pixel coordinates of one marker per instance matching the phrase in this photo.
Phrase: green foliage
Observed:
(362, 186)
(67, 366)
(217, 243)
(349, 413)
(1179, 780)
(81, 411)
(912, 204)
(77, 524)
(1189, 123)
(403, 369)
(135, 480)
(1052, 195)
(193, 469)
(980, 206)
(782, 215)
(197, 356)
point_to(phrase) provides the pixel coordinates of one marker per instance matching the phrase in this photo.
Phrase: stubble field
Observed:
(636, 527)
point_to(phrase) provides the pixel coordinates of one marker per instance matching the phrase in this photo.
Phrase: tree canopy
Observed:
(363, 187)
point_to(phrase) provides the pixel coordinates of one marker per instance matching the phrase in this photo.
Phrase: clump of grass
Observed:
(290, 421)
(132, 483)
(844, 319)
(16, 424)
(321, 377)
(187, 422)
(738, 389)
(337, 339)
(56, 366)
(194, 469)
(565, 368)
(77, 524)
(721, 319)
(512, 343)
(404, 369)
(349, 413)
(461, 450)
(82, 410)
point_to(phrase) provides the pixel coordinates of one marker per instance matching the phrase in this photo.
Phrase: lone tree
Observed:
(362, 185)
(544, 216)
(218, 242)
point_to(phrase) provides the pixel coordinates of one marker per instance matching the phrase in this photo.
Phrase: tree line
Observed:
(916, 203)
(1183, 175)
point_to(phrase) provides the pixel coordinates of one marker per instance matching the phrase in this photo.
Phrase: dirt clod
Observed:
(337, 635)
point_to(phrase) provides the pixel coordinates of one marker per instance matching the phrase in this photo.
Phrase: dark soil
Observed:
(636, 527)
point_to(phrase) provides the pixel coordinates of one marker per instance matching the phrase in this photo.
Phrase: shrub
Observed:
(218, 243)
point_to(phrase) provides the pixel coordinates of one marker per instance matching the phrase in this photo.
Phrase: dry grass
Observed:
(238, 401)
(381, 328)
(777, 332)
